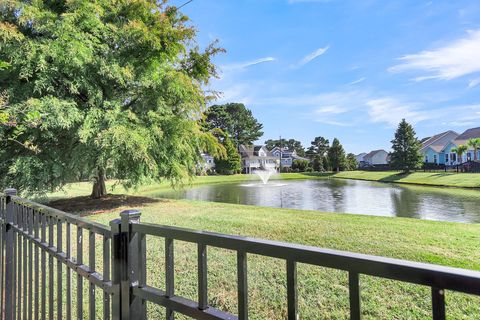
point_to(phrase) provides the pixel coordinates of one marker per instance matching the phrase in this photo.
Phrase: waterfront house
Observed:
(435, 149)
(360, 157)
(462, 139)
(376, 157)
(208, 162)
(256, 157)
(286, 156)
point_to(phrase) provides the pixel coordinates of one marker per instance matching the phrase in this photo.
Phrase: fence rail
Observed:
(42, 263)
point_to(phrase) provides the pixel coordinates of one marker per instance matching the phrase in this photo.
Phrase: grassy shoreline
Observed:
(443, 243)
(442, 179)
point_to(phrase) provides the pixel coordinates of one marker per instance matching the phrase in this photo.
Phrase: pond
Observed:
(345, 196)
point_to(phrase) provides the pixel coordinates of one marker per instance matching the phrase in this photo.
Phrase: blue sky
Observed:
(347, 69)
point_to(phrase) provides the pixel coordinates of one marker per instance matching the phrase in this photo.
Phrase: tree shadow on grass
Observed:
(84, 205)
(395, 176)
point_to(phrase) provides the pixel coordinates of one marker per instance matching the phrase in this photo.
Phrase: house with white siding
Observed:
(286, 156)
(256, 157)
(376, 157)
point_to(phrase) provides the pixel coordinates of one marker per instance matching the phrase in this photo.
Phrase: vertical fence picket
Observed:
(292, 303)
(50, 270)
(18, 214)
(36, 224)
(2, 253)
(30, 265)
(438, 304)
(169, 274)
(43, 265)
(68, 279)
(202, 277)
(91, 265)
(242, 285)
(79, 277)
(59, 271)
(354, 290)
(106, 277)
(25, 262)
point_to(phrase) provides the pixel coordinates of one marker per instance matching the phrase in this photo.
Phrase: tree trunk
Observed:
(99, 189)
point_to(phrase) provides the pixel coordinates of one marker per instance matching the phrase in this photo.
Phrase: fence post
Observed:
(9, 255)
(117, 263)
(133, 266)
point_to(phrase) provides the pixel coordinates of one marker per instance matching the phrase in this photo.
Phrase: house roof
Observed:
(439, 141)
(373, 153)
(253, 151)
(468, 134)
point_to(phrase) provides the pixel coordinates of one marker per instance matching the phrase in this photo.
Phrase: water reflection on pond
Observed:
(346, 196)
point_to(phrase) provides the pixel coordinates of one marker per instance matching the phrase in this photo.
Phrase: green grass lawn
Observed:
(465, 180)
(323, 293)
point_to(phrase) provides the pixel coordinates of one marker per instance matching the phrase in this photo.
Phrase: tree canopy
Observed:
(291, 144)
(235, 120)
(318, 147)
(406, 148)
(100, 88)
(336, 155)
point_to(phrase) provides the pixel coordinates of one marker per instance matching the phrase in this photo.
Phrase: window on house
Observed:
(446, 158)
(469, 156)
(435, 158)
(454, 157)
(426, 159)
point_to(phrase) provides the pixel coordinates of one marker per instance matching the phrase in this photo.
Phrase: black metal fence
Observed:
(43, 270)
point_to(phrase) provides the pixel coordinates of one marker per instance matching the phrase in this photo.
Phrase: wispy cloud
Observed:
(391, 111)
(474, 83)
(246, 64)
(459, 58)
(357, 81)
(312, 56)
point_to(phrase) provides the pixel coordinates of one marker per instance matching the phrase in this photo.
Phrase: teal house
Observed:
(463, 140)
(437, 149)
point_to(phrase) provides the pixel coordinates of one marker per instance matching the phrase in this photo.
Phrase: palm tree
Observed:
(475, 144)
(460, 150)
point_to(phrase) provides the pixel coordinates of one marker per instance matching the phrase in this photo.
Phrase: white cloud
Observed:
(451, 61)
(357, 81)
(392, 111)
(246, 64)
(330, 110)
(473, 83)
(312, 56)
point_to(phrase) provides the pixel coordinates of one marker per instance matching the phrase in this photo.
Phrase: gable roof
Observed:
(373, 153)
(468, 134)
(439, 141)
(253, 151)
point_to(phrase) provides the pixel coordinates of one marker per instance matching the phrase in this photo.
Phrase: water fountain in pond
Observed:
(264, 174)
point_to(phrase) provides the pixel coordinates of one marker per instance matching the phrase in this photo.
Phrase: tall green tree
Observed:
(235, 120)
(351, 162)
(230, 163)
(318, 147)
(291, 144)
(475, 145)
(111, 88)
(336, 156)
(406, 148)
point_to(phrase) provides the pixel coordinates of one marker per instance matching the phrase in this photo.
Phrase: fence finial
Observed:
(130, 216)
